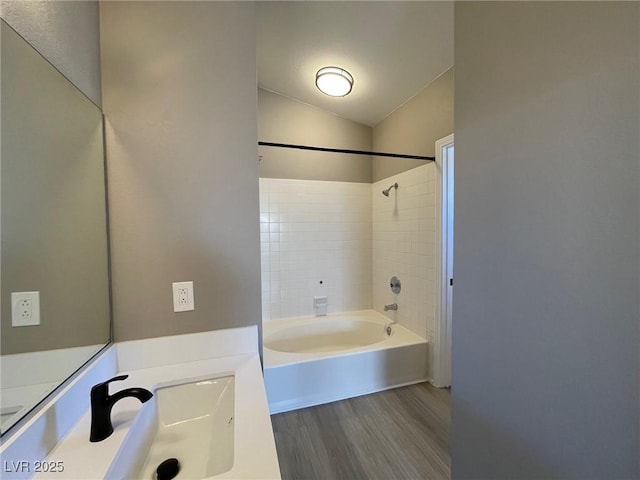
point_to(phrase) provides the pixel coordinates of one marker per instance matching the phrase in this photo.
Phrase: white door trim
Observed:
(441, 352)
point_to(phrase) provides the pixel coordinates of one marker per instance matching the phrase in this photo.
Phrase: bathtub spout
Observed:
(393, 306)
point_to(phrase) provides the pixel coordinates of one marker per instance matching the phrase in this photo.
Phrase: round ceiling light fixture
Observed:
(334, 81)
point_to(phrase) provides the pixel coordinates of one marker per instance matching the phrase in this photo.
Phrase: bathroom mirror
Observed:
(54, 250)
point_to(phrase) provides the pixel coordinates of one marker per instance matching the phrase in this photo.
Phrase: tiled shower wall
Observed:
(353, 239)
(316, 240)
(404, 246)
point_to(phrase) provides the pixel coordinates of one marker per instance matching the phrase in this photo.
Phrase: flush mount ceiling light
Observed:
(334, 81)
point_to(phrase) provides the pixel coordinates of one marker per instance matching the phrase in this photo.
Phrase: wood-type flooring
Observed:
(396, 434)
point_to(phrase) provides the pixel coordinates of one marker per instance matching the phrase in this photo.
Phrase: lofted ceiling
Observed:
(393, 49)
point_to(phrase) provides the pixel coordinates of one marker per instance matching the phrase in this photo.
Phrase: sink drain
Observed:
(168, 469)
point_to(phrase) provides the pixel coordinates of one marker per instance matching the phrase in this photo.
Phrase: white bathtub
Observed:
(314, 360)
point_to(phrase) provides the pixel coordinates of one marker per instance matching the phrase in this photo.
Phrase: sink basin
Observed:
(191, 421)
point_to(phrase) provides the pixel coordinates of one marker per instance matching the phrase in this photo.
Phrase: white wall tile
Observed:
(315, 231)
(404, 245)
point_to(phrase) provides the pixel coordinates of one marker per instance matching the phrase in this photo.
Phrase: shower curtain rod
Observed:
(339, 150)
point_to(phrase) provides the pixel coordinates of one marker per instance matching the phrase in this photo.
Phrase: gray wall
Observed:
(414, 127)
(66, 33)
(546, 319)
(285, 120)
(179, 96)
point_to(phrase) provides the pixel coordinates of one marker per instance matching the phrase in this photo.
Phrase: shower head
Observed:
(386, 192)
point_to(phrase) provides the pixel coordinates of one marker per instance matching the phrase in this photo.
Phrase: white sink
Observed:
(190, 420)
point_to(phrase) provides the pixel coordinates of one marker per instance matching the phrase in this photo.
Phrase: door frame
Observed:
(441, 354)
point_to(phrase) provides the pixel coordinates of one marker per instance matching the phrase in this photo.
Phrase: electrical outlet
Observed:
(25, 309)
(183, 296)
(183, 300)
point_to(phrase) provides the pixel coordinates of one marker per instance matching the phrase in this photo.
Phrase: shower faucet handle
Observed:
(394, 283)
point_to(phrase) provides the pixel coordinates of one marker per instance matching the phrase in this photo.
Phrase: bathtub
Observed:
(313, 360)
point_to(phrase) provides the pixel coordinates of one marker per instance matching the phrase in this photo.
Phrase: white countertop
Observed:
(255, 454)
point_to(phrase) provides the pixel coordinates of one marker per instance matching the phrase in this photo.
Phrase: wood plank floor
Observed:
(396, 434)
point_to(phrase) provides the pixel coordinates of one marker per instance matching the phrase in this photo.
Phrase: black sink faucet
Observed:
(102, 403)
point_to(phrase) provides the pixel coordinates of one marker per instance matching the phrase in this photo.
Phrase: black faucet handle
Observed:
(105, 384)
(117, 379)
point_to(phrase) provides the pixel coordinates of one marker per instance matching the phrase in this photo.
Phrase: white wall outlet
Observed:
(183, 300)
(25, 309)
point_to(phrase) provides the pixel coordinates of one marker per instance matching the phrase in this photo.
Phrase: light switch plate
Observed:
(183, 300)
(25, 309)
